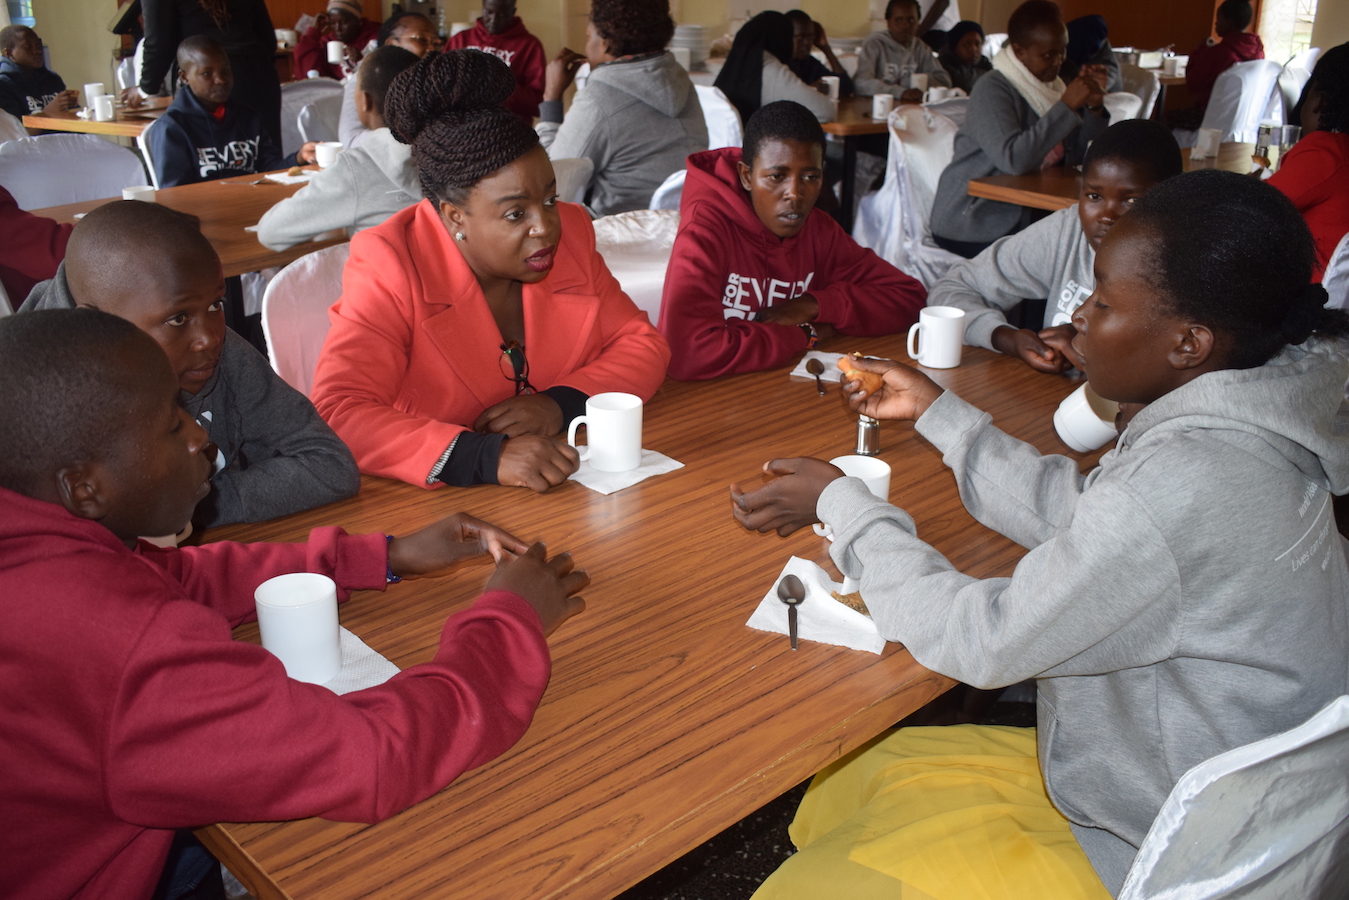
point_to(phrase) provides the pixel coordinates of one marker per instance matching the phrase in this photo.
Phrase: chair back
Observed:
(294, 96)
(1244, 96)
(1306, 59)
(143, 145)
(724, 128)
(894, 221)
(6, 308)
(295, 313)
(1123, 105)
(952, 107)
(1267, 820)
(66, 168)
(671, 191)
(573, 177)
(127, 73)
(1336, 277)
(318, 119)
(1146, 85)
(993, 43)
(11, 127)
(636, 247)
(1292, 79)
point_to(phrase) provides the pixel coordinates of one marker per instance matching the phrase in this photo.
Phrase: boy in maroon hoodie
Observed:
(757, 274)
(129, 711)
(500, 32)
(1235, 45)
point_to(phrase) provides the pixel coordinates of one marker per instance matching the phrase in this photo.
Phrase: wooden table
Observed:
(225, 208)
(854, 120)
(1059, 187)
(666, 719)
(125, 123)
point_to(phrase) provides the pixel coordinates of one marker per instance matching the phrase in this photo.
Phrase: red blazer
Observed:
(1315, 176)
(413, 356)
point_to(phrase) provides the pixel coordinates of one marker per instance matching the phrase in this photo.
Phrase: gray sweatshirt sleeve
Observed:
(583, 133)
(868, 81)
(327, 202)
(286, 458)
(1019, 267)
(993, 122)
(350, 131)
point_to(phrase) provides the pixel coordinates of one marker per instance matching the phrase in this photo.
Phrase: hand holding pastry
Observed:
(904, 393)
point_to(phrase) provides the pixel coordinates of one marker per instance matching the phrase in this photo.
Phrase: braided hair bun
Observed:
(449, 108)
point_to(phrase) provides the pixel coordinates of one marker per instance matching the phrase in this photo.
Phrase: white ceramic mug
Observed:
(1085, 421)
(325, 153)
(103, 108)
(881, 104)
(1169, 64)
(918, 81)
(935, 340)
(337, 52)
(143, 192)
(875, 474)
(91, 90)
(831, 83)
(613, 424)
(1206, 143)
(937, 94)
(297, 616)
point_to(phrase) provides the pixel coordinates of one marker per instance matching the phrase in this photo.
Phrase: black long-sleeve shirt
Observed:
(247, 33)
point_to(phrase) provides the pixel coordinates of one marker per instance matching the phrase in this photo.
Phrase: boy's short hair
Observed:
(11, 36)
(890, 7)
(1029, 16)
(799, 15)
(106, 250)
(378, 70)
(196, 47)
(1142, 143)
(785, 120)
(1236, 13)
(63, 391)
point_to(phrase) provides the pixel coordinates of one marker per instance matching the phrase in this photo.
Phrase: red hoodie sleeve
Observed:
(528, 66)
(703, 342)
(31, 248)
(866, 295)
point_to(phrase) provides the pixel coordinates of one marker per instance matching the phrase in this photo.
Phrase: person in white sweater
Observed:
(889, 59)
(365, 185)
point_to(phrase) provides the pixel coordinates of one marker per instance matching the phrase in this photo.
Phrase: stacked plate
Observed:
(692, 38)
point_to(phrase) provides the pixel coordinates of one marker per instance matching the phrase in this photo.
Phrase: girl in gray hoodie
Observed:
(1184, 598)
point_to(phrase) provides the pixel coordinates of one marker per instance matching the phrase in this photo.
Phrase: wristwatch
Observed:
(812, 337)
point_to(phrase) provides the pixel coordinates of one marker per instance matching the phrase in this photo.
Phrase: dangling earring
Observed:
(459, 236)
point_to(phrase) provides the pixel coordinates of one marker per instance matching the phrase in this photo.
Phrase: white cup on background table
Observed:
(144, 192)
(325, 153)
(613, 424)
(918, 81)
(297, 616)
(91, 90)
(831, 83)
(936, 339)
(104, 111)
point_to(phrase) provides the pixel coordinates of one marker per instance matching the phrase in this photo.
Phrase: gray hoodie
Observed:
(360, 190)
(1051, 260)
(636, 121)
(1186, 597)
(884, 65)
(1002, 135)
(276, 455)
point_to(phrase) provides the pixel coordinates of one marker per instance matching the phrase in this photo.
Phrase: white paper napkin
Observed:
(362, 667)
(830, 360)
(820, 617)
(653, 463)
(283, 178)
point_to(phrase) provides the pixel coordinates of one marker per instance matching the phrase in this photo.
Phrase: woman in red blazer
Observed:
(474, 325)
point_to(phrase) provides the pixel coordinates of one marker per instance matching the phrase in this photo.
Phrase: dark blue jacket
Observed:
(24, 92)
(188, 144)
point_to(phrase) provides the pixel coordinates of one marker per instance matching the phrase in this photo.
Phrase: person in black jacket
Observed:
(242, 27)
(205, 134)
(27, 86)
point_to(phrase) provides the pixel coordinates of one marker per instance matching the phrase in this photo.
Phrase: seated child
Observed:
(27, 86)
(204, 135)
(343, 21)
(1315, 173)
(500, 32)
(134, 713)
(757, 274)
(274, 455)
(1052, 259)
(963, 57)
(365, 185)
(890, 58)
(1022, 118)
(1208, 61)
(808, 35)
(412, 32)
(31, 247)
(1163, 605)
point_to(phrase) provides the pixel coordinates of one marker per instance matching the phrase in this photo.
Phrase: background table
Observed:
(666, 719)
(126, 122)
(854, 120)
(225, 209)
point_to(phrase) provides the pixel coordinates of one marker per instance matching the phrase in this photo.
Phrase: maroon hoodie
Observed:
(518, 49)
(1207, 63)
(726, 266)
(31, 248)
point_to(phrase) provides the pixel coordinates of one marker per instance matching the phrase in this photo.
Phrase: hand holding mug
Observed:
(548, 585)
(904, 394)
(535, 462)
(525, 414)
(452, 540)
(788, 501)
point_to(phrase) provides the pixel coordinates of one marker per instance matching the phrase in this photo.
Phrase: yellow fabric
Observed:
(950, 813)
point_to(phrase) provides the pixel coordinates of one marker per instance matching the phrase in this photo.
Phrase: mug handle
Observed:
(823, 530)
(913, 340)
(577, 422)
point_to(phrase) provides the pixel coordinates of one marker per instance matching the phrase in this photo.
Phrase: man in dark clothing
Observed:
(27, 86)
(205, 135)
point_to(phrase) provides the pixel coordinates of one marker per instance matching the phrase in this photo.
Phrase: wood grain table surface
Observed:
(854, 118)
(666, 719)
(126, 122)
(225, 208)
(1059, 187)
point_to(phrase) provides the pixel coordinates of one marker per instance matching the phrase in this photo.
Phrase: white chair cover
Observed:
(143, 144)
(1267, 820)
(1143, 83)
(1243, 97)
(636, 247)
(127, 73)
(294, 96)
(724, 128)
(1306, 59)
(66, 168)
(953, 108)
(1123, 105)
(11, 127)
(668, 195)
(295, 313)
(1292, 79)
(993, 43)
(1336, 278)
(6, 308)
(573, 177)
(318, 119)
(894, 221)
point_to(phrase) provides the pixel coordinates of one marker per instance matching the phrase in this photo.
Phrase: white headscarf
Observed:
(1038, 94)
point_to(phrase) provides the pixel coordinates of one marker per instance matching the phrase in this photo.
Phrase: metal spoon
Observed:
(791, 592)
(816, 368)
